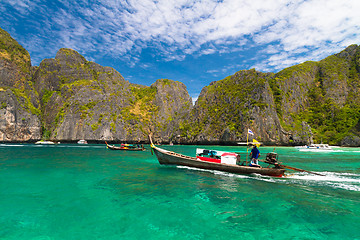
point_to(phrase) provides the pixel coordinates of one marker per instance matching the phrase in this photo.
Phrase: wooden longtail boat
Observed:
(166, 157)
(125, 147)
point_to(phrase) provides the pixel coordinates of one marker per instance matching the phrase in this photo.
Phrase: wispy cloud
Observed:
(310, 31)
(23, 6)
(291, 31)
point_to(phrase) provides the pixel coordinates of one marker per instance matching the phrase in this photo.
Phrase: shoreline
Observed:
(213, 143)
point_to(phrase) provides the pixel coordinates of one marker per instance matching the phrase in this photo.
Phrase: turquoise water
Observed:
(90, 192)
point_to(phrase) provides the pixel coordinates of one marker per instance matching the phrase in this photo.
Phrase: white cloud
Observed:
(177, 28)
(311, 31)
(208, 51)
(22, 6)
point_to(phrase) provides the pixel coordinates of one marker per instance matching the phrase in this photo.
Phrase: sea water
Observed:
(90, 192)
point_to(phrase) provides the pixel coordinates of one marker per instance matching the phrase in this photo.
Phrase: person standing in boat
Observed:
(254, 155)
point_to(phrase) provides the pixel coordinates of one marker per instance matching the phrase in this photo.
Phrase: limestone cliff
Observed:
(226, 109)
(67, 98)
(19, 113)
(83, 100)
(174, 105)
(305, 103)
(325, 95)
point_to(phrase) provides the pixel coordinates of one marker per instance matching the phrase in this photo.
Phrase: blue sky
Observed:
(194, 42)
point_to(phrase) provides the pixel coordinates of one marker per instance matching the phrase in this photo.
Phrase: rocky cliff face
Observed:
(76, 96)
(83, 100)
(19, 116)
(226, 109)
(309, 102)
(69, 98)
(323, 95)
(173, 106)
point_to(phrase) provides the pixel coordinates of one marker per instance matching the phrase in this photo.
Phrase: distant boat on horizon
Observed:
(82, 141)
(126, 147)
(315, 147)
(43, 142)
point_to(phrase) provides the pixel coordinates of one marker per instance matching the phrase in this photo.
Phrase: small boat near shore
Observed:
(214, 160)
(126, 147)
(43, 142)
(82, 141)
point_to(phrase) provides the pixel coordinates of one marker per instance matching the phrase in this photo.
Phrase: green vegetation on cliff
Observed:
(326, 94)
(71, 96)
(226, 104)
(141, 111)
(333, 111)
(13, 52)
(15, 73)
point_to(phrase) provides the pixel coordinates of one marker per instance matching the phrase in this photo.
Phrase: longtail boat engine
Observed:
(272, 158)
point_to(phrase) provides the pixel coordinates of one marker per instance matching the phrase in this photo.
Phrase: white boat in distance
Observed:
(315, 147)
(82, 141)
(45, 142)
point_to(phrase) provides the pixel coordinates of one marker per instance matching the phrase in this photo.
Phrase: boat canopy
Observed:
(225, 157)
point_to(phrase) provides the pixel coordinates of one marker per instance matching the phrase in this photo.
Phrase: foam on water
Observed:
(329, 176)
(214, 172)
(11, 145)
(232, 175)
(346, 181)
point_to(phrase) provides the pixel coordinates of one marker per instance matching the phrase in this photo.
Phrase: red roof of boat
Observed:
(229, 154)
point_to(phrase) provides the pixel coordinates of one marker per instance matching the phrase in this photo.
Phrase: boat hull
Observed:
(171, 158)
(45, 143)
(112, 147)
(126, 149)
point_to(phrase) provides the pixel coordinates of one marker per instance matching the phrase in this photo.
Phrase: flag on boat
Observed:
(250, 132)
(256, 143)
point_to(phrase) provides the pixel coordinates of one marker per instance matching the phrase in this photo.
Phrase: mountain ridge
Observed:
(67, 98)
